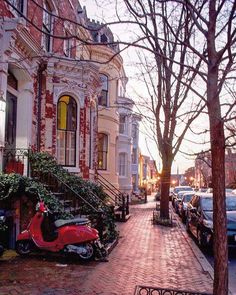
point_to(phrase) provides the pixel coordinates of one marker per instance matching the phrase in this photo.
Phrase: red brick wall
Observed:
(35, 17)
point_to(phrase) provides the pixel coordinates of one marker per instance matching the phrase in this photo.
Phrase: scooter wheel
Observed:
(23, 247)
(89, 252)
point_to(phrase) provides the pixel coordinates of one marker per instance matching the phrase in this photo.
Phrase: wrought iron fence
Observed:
(16, 161)
(147, 290)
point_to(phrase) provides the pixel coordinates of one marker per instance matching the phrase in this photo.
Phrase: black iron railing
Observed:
(93, 207)
(119, 199)
(16, 161)
(114, 194)
(147, 290)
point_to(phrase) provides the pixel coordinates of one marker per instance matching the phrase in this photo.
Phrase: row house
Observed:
(65, 95)
(203, 176)
(62, 94)
(116, 121)
(49, 88)
(148, 174)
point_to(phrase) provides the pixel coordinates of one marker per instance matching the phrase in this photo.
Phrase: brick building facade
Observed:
(50, 89)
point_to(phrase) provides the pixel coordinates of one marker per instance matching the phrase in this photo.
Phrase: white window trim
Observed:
(125, 165)
(15, 13)
(53, 11)
(77, 152)
(108, 92)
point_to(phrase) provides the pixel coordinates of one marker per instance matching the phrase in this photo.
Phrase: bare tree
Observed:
(197, 37)
(168, 89)
(192, 43)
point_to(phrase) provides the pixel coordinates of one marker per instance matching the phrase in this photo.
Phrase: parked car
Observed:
(202, 189)
(187, 196)
(178, 189)
(199, 218)
(178, 200)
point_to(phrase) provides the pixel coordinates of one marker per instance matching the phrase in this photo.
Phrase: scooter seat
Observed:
(78, 221)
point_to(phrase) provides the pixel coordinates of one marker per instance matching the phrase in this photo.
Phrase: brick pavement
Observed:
(145, 255)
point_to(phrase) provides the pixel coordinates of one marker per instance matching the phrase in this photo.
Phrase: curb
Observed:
(206, 266)
(112, 245)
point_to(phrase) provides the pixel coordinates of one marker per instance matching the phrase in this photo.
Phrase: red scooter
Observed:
(67, 236)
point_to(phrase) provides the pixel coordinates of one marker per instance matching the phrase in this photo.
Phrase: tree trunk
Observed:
(218, 160)
(218, 184)
(165, 186)
(219, 213)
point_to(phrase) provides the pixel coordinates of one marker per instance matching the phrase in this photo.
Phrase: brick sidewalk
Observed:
(145, 255)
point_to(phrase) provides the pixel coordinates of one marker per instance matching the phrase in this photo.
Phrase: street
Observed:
(146, 254)
(232, 267)
(209, 256)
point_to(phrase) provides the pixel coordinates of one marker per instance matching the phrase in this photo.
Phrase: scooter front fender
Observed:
(24, 235)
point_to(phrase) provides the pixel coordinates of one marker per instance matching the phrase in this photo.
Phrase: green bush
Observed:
(87, 190)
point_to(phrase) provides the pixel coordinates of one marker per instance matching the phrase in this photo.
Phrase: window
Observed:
(67, 44)
(66, 131)
(122, 164)
(102, 151)
(47, 26)
(18, 4)
(134, 131)
(122, 124)
(134, 156)
(103, 98)
(104, 38)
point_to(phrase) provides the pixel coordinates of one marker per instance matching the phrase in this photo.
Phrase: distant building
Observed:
(189, 176)
(203, 170)
(203, 175)
(148, 174)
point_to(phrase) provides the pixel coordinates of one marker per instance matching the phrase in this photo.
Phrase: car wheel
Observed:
(201, 239)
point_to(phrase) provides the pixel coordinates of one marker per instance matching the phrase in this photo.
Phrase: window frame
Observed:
(103, 152)
(67, 131)
(103, 97)
(47, 27)
(19, 5)
(123, 166)
(68, 44)
(123, 125)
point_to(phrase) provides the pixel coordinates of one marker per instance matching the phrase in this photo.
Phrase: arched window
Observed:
(66, 131)
(102, 151)
(103, 98)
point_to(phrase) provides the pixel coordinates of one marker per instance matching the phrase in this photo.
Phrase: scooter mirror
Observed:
(40, 207)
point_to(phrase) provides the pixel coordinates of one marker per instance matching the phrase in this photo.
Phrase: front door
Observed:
(10, 126)
(10, 164)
